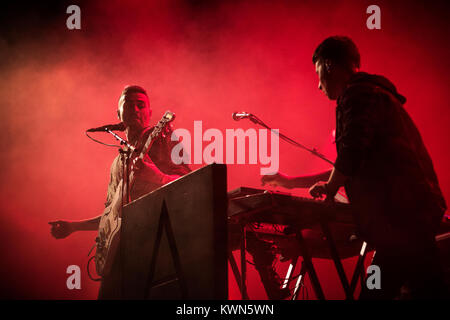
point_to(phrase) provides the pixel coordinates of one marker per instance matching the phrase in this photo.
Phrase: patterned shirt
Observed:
(160, 154)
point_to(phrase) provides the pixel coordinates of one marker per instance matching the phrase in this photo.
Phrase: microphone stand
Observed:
(125, 154)
(314, 151)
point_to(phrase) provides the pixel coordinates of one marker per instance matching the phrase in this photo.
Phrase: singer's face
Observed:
(135, 111)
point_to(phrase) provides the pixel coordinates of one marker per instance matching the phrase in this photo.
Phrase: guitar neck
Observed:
(148, 143)
(168, 117)
(142, 154)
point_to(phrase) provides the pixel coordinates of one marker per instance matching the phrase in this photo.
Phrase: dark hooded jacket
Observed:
(392, 182)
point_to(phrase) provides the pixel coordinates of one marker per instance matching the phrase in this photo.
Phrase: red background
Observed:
(203, 60)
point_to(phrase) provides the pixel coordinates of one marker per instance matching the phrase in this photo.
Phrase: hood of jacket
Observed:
(363, 78)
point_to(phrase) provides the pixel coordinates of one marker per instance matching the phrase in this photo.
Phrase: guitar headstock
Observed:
(168, 116)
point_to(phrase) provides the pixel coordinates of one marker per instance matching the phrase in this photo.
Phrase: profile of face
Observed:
(328, 79)
(134, 111)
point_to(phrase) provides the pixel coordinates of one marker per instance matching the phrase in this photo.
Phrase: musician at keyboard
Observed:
(386, 170)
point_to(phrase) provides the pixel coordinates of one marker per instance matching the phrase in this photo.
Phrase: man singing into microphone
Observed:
(154, 171)
(386, 170)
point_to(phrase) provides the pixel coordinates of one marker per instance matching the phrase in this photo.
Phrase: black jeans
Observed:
(408, 271)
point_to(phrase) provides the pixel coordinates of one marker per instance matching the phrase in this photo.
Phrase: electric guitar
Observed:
(110, 222)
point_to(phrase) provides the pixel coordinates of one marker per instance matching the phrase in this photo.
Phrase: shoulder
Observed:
(371, 88)
(359, 92)
(360, 96)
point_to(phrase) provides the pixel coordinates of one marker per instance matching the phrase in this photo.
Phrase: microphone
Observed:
(112, 127)
(240, 115)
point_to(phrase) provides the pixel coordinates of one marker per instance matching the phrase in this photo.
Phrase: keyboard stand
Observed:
(306, 267)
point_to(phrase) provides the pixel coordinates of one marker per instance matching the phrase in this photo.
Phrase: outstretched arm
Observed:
(308, 181)
(290, 182)
(61, 229)
(329, 188)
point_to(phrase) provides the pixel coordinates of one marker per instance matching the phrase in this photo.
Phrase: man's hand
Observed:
(319, 190)
(329, 188)
(61, 229)
(147, 170)
(277, 179)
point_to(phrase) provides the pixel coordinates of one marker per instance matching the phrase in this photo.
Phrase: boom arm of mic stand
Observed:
(255, 120)
(122, 141)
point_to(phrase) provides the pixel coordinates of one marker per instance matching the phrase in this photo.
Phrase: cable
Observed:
(105, 144)
(108, 145)
(88, 271)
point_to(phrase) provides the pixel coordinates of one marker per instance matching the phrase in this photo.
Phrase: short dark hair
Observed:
(129, 89)
(338, 49)
(133, 89)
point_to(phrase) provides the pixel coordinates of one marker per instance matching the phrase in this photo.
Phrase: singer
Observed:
(154, 171)
(387, 173)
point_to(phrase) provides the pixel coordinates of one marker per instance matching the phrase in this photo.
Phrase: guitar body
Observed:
(108, 238)
(108, 234)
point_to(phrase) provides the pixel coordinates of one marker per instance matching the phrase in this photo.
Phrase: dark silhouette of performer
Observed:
(387, 173)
